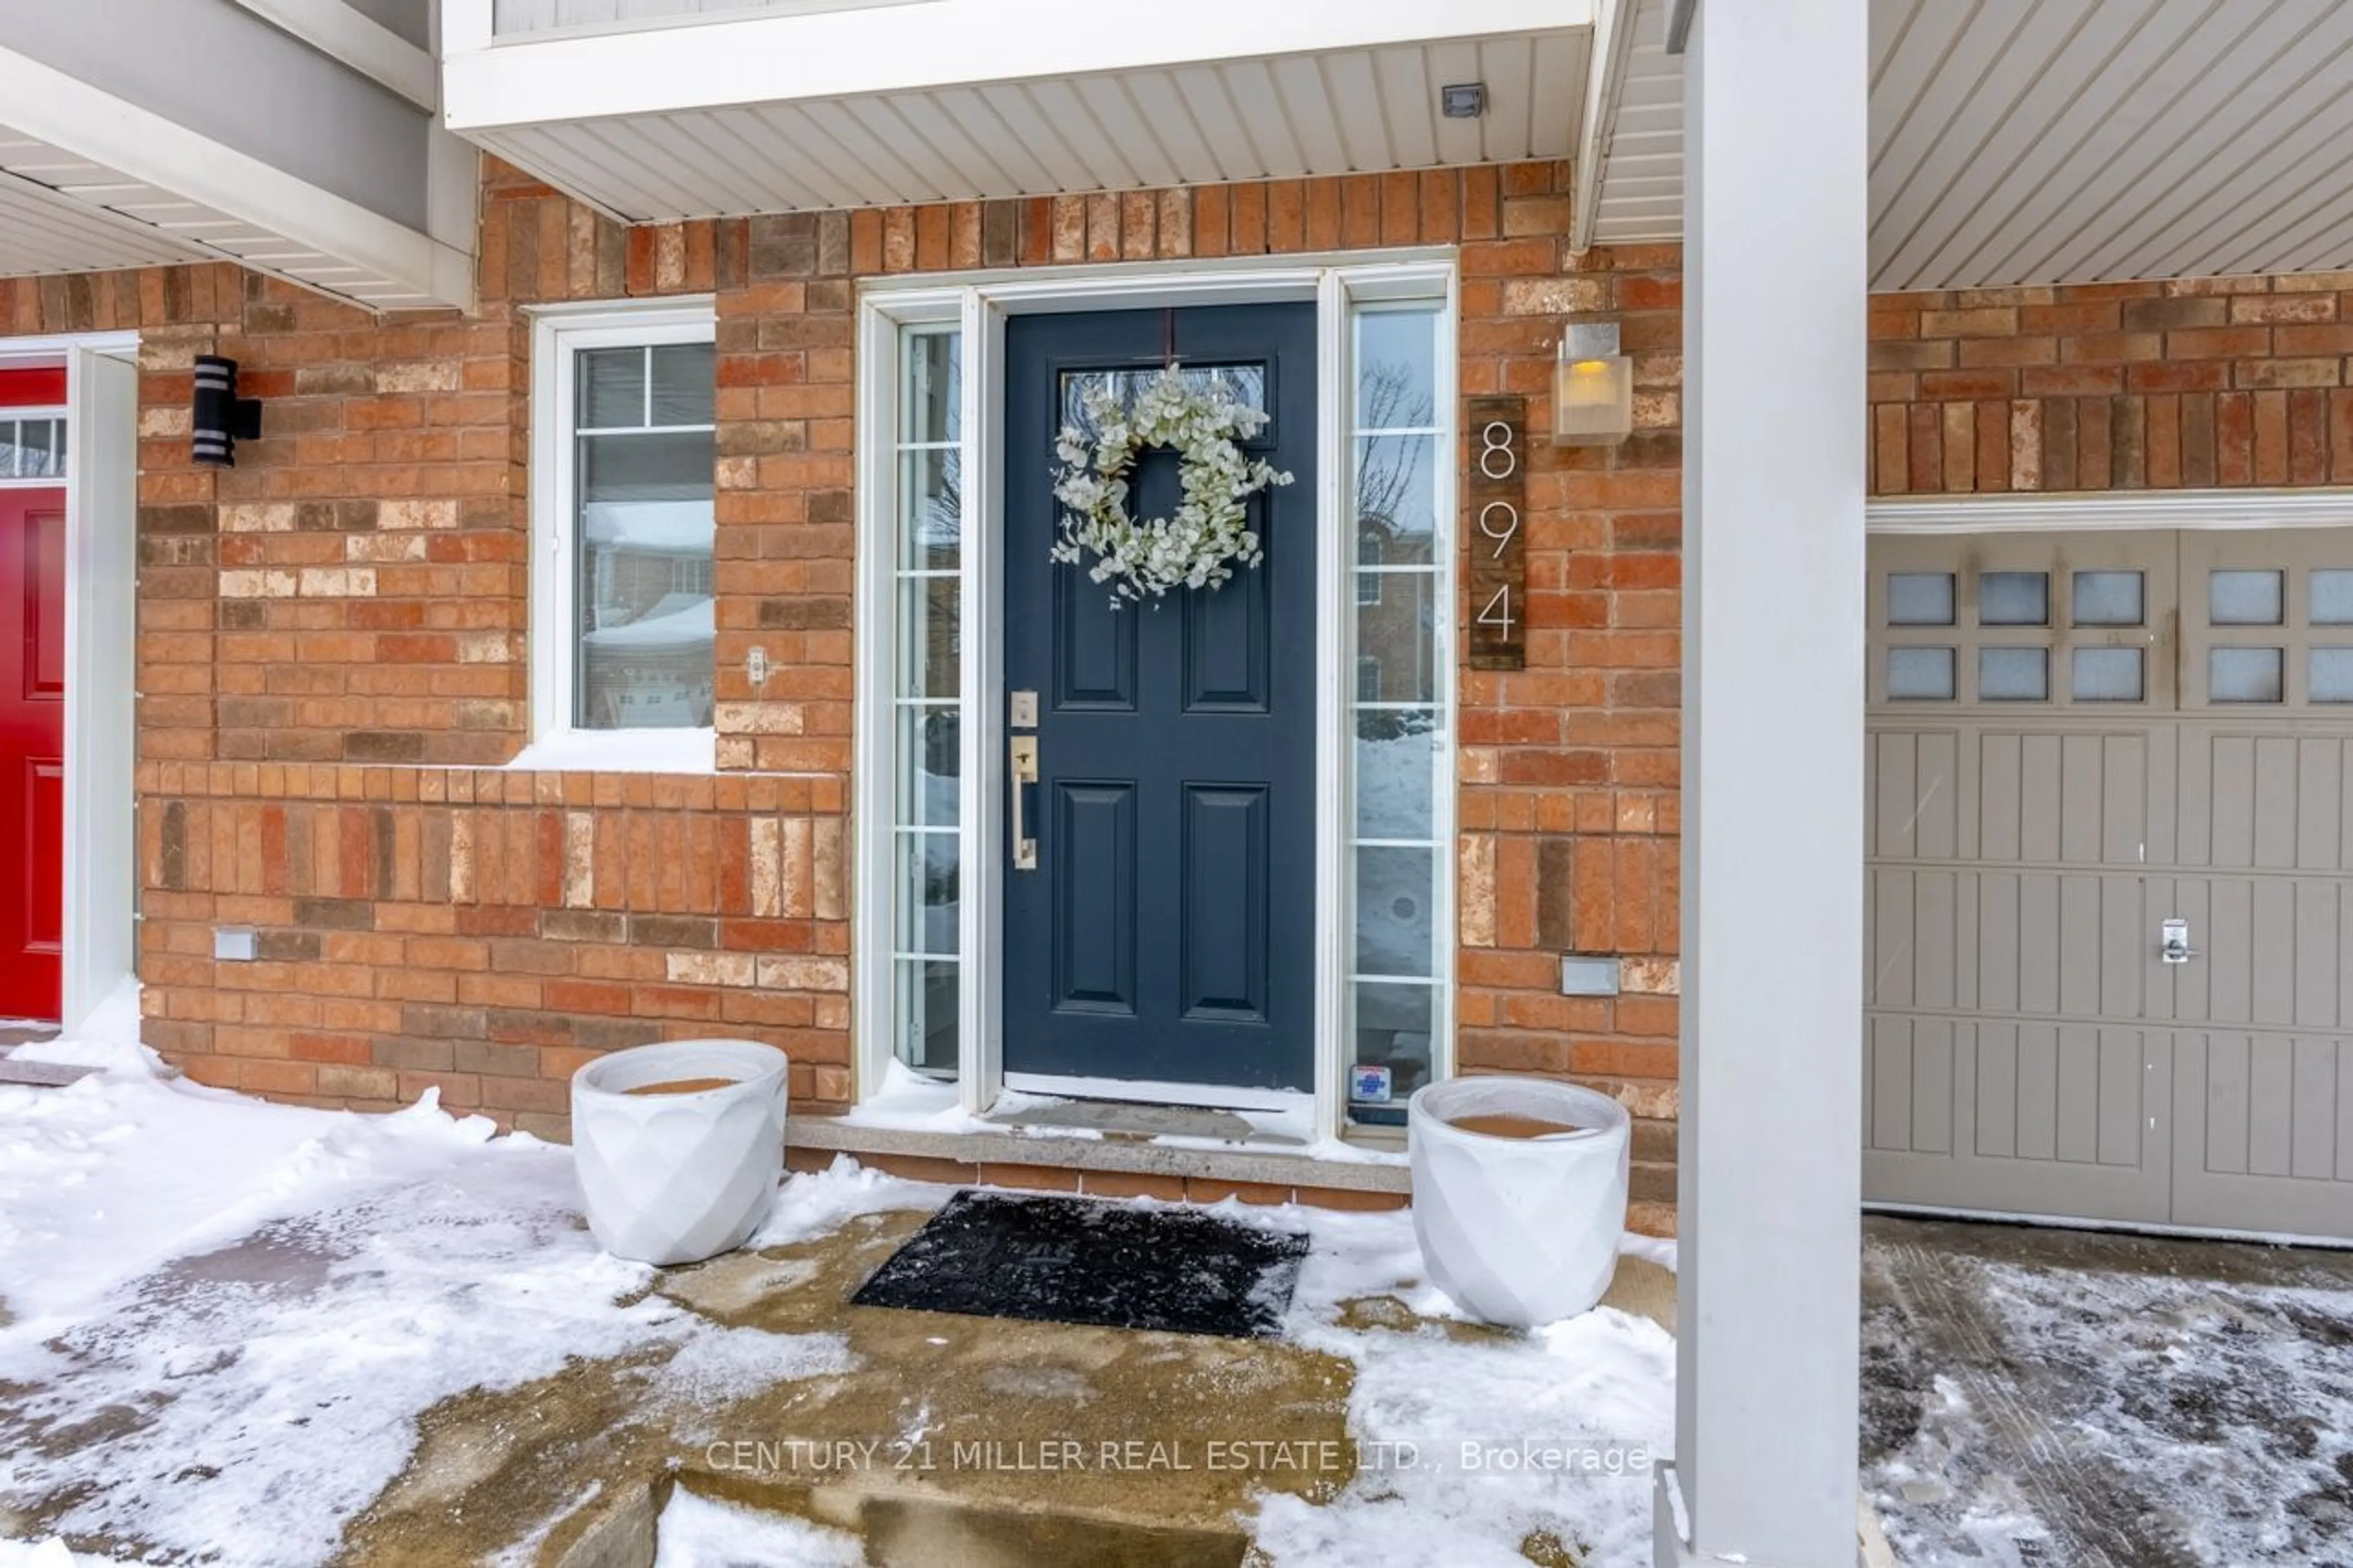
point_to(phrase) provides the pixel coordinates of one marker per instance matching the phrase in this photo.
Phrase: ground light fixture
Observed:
(1592, 388)
(220, 418)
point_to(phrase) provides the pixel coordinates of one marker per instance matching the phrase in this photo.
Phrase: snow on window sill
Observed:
(622, 751)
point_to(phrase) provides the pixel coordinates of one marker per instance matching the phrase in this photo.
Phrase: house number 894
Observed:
(1498, 500)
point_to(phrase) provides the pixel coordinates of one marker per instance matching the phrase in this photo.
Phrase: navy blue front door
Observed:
(1166, 933)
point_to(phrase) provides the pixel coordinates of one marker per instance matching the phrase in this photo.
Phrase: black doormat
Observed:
(1071, 1260)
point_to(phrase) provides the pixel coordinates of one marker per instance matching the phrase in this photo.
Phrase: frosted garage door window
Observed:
(2245, 675)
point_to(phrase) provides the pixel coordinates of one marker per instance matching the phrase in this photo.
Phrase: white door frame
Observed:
(981, 303)
(99, 923)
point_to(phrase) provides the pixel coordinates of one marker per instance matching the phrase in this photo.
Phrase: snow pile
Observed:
(274, 1295)
(700, 1533)
(110, 1039)
(50, 1554)
(1481, 1439)
(814, 1204)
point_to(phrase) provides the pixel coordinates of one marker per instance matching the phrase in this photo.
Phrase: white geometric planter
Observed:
(1518, 1231)
(677, 1178)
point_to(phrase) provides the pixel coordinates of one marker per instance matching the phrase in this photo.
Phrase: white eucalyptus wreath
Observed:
(1201, 543)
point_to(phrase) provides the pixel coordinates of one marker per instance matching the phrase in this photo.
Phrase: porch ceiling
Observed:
(43, 229)
(60, 211)
(2016, 142)
(1348, 111)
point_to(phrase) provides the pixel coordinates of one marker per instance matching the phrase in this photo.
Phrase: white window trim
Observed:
(100, 918)
(981, 303)
(558, 333)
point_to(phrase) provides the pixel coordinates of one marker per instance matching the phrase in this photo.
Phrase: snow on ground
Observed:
(333, 1276)
(702, 1532)
(1478, 1439)
(278, 1293)
(2142, 1401)
(45, 1554)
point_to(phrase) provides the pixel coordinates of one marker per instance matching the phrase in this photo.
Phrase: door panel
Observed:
(1228, 652)
(1166, 933)
(2012, 1117)
(1225, 959)
(2012, 935)
(2088, 1076)
(2266, 1137)
(1095, 650)
(32, 747)
(1094, 897)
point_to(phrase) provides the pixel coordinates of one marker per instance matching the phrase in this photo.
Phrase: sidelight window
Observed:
(928, 602)
(1400, 627)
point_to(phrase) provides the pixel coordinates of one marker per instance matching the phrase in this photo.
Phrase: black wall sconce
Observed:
(222, 419)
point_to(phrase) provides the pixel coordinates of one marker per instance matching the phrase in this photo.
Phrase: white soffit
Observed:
(44, 230)
(1632, 174)
(146, 190)
(1346, 112)
(61, 212)
(2021, 141)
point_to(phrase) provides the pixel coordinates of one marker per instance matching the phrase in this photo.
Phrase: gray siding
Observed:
(542, 15)
(410, 19)
(202, 64)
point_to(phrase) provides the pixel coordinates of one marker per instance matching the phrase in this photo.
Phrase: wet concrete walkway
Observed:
(2069, 1399)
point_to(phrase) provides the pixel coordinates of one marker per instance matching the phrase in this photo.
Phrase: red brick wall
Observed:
(485, 932)
(333, 650)
(2195, 384)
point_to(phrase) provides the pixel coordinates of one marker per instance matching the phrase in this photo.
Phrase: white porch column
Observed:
(1775, 284)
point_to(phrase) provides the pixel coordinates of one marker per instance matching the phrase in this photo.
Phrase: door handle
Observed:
(1024, 755)
(2173, 945)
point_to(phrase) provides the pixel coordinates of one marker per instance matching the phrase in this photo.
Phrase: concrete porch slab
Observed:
(1112, 1119)
(980, 1441)
(40, 1075)
(1074, 1147)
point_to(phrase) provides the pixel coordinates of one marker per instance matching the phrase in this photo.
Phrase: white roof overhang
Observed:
(2016, 143)
(91, 182)
(940, 99)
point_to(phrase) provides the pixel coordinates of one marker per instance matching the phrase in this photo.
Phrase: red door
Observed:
(32, 731)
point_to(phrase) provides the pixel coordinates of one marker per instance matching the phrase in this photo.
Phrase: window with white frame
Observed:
(1397, 956)
(927, 577)
(32, 445)
(623, 622)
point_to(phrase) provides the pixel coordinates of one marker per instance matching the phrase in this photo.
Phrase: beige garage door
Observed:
(2077, 740)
